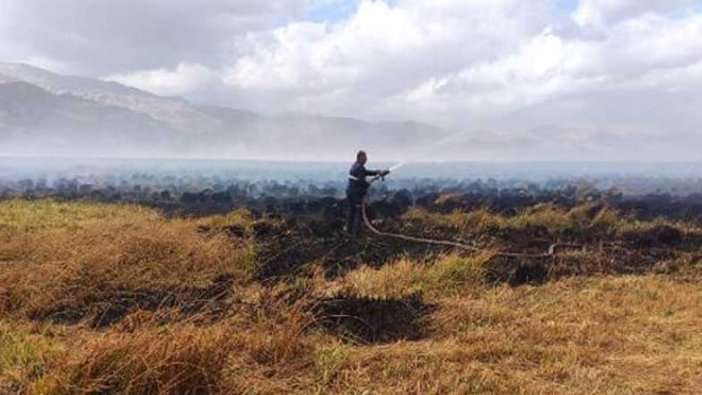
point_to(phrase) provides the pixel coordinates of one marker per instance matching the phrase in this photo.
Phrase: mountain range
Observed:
(47, 114)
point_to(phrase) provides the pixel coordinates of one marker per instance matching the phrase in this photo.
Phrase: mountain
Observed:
(33, 120)
(43, 113)
(176, 113)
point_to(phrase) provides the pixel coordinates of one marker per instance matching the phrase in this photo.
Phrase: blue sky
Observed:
(569, 5)
(335, 11)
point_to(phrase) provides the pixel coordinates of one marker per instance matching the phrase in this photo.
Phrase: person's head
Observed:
(361, 157)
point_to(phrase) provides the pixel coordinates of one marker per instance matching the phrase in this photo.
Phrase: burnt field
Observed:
(535, 231)
(299, 222)
(253, 287)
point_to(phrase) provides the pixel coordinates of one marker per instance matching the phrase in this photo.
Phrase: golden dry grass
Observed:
(55, 254)
(583, 218)
(448, 274)
(583, 335)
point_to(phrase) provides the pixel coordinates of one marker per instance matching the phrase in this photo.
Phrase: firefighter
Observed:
(356, 191)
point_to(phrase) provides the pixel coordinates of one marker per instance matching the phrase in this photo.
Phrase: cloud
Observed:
(184, 79)
(600, 13)
(380, 51)
(104, 37)
(458, 63)
(550, 66)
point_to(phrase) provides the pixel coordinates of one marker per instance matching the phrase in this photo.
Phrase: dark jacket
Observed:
(358, 186)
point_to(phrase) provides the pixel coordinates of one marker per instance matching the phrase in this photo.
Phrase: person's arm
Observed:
(381, 173)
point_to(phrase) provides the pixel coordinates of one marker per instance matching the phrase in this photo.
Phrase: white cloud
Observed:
(380, 51)
(119, 36)
(442, 63)
(185, 78)
(452, 62)
(599, 13)
(549, 66)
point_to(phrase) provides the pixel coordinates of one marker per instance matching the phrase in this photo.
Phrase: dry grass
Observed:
(140, 355)
(164, 360)
(449, 274)
(556, 220)
(583, 335)
(609, 335)
(79, 254)
(32, 216)
(551, 217)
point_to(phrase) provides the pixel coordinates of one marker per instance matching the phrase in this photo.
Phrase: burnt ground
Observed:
(290, 245)
(353, 319)
(286, 249)
(111, 306)
(369, 320)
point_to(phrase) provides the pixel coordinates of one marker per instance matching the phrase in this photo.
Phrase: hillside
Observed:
(45, 114)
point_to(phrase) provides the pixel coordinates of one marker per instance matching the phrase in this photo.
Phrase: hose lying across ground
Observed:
(551, 251)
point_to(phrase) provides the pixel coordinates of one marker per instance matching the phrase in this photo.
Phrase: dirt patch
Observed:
(110, 307)
(614, 259)
(663, 235)
(286, 247)
(369, 320)
(517, 270)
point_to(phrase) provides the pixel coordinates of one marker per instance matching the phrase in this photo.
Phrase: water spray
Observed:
(437, 144)
(448, 139)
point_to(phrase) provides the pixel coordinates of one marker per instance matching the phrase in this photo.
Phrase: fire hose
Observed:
(364, 210)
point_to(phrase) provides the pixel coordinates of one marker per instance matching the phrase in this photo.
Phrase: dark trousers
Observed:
(354, 216)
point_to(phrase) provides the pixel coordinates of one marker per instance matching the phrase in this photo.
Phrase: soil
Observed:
(368, 320)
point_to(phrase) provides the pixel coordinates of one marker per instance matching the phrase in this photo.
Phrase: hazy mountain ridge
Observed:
(33, 120)
(42, 113)
(177, 113)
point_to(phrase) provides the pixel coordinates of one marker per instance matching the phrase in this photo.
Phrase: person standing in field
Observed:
(356, 191)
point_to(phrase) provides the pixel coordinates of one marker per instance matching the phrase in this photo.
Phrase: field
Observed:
(114, 298)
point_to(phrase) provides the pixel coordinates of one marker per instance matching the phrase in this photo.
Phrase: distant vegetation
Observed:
(215, 191)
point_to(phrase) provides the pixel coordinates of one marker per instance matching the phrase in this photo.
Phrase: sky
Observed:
(613, 77)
